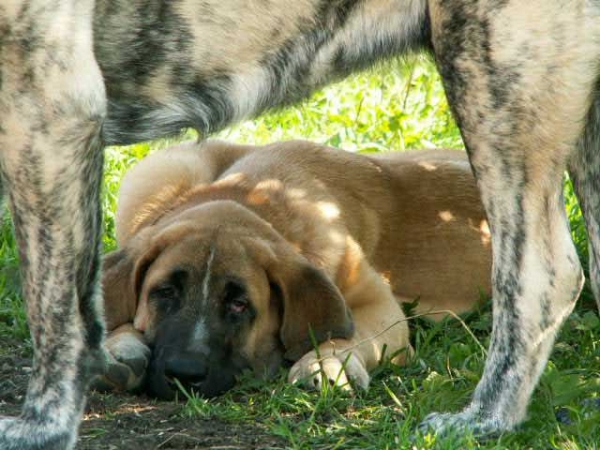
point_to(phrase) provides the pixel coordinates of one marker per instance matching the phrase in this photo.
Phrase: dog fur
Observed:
(228, 254)
(74, 74)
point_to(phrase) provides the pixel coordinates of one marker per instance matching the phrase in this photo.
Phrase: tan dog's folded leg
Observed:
(128, 352)
(128, 360)
(380, 325)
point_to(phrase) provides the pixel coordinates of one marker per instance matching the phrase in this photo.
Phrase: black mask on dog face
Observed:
(199, 341)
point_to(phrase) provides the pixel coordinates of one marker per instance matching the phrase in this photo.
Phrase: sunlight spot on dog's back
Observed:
(296, 194)
(429, 167)
(329, 211)
(230, 180)
(447, 216)
(263, 191)
(484, 229)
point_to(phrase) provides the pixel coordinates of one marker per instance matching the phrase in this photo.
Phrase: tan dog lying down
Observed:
(229, 254)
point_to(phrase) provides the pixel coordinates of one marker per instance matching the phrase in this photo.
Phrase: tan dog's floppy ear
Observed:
(120, 299)
(311, 304)
(122, 279)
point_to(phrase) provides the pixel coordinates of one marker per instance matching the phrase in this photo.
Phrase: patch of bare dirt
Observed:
(115, 422)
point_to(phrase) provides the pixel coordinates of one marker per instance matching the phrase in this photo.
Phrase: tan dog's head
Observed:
(218, 291)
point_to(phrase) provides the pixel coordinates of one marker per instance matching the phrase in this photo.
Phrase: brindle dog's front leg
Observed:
(52, 104)
(519, 77)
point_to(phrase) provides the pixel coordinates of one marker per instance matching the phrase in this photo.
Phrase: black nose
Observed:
(190, 371)
(194, 371)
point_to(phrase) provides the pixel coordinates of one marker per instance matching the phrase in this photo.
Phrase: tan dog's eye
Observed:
(238, 306)
(235, 298)
(164, 292)
(165, 297)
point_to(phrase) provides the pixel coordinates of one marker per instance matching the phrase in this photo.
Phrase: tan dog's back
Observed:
(436, 246)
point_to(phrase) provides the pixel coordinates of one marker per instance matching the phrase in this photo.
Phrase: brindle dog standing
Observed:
(75, 75)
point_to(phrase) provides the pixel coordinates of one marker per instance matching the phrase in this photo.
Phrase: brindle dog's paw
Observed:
(344, 370)
(49, 433)
(456, 424)
(128, 359)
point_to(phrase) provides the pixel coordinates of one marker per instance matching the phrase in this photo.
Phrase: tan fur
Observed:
(390, 228)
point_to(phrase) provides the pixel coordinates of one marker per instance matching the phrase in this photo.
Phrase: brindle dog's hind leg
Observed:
(584, 169)
(519, 77)
(52, 104)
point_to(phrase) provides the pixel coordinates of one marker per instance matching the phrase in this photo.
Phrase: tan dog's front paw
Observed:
(344, 370)
(128, 360)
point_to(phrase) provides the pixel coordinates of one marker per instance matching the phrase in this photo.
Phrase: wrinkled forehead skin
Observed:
(204, 264)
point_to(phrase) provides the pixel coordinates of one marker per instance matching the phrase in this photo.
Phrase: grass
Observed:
(397, 107)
